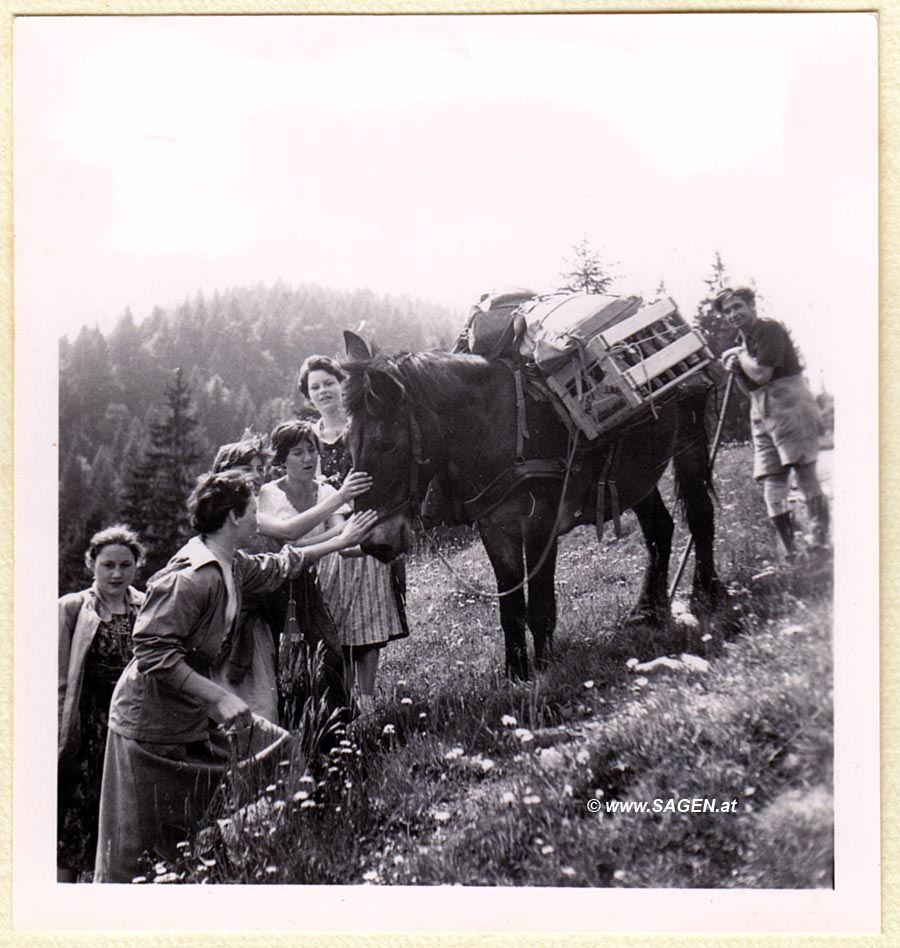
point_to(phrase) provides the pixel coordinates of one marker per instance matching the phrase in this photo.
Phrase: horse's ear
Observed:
(357, 350)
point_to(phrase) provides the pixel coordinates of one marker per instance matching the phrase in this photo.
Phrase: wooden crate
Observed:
(627, 365)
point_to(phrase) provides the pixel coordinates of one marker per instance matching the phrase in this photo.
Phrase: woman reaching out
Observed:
(168, 746)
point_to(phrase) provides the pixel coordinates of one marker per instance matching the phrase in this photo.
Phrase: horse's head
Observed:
(385, 441)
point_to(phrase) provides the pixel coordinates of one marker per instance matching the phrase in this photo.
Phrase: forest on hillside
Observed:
(143, 408)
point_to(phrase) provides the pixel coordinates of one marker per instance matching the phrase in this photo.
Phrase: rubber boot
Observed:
(819, 518)
(784, 525)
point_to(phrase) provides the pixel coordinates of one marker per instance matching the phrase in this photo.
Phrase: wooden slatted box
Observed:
(628, 365)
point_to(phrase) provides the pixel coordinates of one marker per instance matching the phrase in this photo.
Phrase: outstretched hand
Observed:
(356, 483)
(358, 526)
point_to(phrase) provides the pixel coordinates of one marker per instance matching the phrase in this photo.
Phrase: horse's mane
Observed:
(428, 378)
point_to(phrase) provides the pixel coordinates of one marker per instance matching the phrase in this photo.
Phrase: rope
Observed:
(477, 590)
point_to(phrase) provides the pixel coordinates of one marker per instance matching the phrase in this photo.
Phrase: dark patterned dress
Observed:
(370, 609)
(79, 784)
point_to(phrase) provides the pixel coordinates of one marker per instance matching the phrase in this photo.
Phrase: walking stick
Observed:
(712, 461)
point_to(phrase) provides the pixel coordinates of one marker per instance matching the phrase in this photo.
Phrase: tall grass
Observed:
(465, 777)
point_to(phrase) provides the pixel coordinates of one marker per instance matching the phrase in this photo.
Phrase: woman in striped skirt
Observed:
(368, 599)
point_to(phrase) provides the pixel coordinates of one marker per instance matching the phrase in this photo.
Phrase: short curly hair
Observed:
(117, 534)
(217, 494)
(323, 364)
(288, 435)
(241, 453)
(742, 293)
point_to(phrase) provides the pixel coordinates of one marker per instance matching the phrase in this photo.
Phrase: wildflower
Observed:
(567, 790)
(531, 800)
(422, 715)
(523, 734)
(388, 730)
(486, 764)
(508, 720)
(271, 870)
(167, 877)
(370, 876)
(406, 701)
(583, 756)
(401, 683)
(279, 804)
(619, 875)
(345, 744)
(307, 779)
(398, 860)
(641, 682)
(455, 753)
(589, 684)
(441, 815)
(508, 798)
(546, 850)
(749, 791)
(567, 871)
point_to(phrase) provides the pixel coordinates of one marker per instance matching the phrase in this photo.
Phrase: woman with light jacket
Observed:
(94, 647)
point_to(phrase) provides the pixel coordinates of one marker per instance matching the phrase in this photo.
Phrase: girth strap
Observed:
(507, 481)
(603, 484)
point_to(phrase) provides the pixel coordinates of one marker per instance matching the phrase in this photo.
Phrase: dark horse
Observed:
(436, 417)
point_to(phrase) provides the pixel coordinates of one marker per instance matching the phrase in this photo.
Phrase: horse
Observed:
(510, 464)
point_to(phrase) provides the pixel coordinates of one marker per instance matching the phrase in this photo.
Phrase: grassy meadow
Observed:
(464, 777)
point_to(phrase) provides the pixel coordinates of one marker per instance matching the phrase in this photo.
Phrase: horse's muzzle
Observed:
(389, 539)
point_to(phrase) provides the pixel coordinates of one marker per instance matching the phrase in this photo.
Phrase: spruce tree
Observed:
(158, 486)
(587, 272)
(721, 336)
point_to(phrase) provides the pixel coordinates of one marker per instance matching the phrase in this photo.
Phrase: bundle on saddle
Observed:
(604, 358)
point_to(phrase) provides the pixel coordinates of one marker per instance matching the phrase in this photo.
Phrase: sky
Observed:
(439, 157)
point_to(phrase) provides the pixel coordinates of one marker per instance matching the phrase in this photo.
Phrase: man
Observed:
(784, 417)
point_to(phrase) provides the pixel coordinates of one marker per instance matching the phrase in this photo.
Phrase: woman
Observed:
(94, 647)
(370, 607)
(170, 721)
(297, 509)
(257, 682)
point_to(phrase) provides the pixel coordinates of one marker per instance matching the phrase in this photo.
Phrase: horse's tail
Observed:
(693, 471)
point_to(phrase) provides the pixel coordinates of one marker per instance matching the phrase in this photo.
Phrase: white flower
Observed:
(523, 734)
(531, 800)
(619, 875)
(441, 815)
(508, 798)
(454, 753)
(300, 795)
(546, 850)
(388, 730)
(567, 871)
(589, 684)
(487, 764)
(406, 701)
(583, 756)
(508, 720)
(370, 876)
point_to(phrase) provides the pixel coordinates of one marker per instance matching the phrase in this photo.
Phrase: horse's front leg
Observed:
(504, 550)
(541, 590)
(657, 526)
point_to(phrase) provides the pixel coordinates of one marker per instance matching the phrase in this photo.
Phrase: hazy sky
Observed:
(441, 156)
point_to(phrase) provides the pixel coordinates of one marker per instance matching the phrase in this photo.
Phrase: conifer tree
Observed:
(587, 272)
(157, 488)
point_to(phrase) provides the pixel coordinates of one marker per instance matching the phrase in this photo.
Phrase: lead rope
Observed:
(477, 590)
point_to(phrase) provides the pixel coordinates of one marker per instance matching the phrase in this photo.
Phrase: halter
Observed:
(412, 495)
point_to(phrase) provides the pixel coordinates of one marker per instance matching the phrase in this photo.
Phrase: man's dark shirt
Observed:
(770, 344)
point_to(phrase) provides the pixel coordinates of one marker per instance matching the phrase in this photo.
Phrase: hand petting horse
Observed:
(513, 467)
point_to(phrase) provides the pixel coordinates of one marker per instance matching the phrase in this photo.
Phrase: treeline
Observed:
(143, 408)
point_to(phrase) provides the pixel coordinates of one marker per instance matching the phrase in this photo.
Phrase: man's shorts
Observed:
(786, 424)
